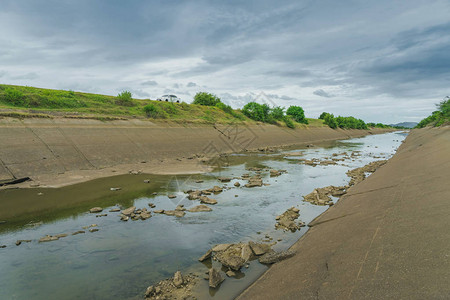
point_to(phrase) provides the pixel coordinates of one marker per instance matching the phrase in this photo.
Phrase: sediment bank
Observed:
(58, 152)
(386, 239)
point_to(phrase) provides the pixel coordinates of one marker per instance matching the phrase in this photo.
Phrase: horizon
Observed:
(333, 57)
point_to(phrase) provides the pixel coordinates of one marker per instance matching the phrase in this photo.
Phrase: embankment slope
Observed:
(386, 239)
(62, 151)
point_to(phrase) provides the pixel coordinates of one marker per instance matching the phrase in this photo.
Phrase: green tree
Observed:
(297, 113)
(203, 98)
(256, 111)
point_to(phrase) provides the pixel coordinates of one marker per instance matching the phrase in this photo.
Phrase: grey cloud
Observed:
(149, 83)
(29, 76)
(322, 93)
(191, 84)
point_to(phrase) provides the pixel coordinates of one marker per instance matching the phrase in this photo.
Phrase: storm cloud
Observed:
(383, 61)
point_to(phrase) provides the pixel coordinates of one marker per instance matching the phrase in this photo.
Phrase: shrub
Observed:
(203, 98)
(330, 121)
(154, 111)
(322, 115)
(256, 111)
(277, 113)
(169, 107)
(15, 97)
(287, 120)
(124, 99)
(438, 117)
(297, 113)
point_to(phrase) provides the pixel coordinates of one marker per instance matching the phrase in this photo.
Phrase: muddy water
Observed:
(123, 258)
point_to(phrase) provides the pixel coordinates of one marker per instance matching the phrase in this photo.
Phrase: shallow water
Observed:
(123, 258)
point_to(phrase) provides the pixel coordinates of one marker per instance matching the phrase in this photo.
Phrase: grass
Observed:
(24, 101)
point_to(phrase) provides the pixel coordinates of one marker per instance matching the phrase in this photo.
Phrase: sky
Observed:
(382, 61)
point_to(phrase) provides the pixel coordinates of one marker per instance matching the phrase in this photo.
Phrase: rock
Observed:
(178, 279)
(224, 179)
(194, 195)
(274, 173)
(114, 210)
(154, 193)
(145, 215)
(124, 218)
(254, 182)
(180, 207)
(151, 205)
(101, 215)
(230, 273)
(200, 208)
(172, 196)
(129, 211)
(198, 181)
(2, 246)
(231, 261)
(221, 247)
(206, 200)
(216, 189)
(159, 211)
(48, 238)
(237, 184)
(96, 210)
(157, 290)
(61, 235)
(18, 242)
(78, 232)
(115, 189)
(175, 213)
(93, 230)
(206, 255)
(150, 290)
(147, 181)
(286, 221)
(259, 249)
(273, 257)
(246, 253)
(215, 278)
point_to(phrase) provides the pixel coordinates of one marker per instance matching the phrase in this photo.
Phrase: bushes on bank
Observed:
(203, 98)
(343, 122)
(155, 112)
(124, 98)
(297, 113)
(438, 117)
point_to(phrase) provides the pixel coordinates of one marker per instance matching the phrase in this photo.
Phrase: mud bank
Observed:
(58, 152)
(386, 239)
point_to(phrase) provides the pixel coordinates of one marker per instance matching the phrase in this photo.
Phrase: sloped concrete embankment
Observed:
(386, 239)
(33, 147)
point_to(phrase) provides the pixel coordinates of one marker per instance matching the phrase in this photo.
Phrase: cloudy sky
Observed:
(382, 61)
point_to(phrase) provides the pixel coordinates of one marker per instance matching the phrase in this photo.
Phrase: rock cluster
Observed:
(286, 221)
(177, 287)
(254, 181)
(135, 214)
(321, 196)
(357, 175)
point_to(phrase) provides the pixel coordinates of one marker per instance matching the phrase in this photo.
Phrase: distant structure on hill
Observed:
(405, 124)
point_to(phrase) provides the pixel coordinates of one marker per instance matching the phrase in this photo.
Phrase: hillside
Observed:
(405, 124)
(24, 101)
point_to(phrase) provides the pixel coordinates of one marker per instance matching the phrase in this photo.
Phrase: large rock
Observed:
(259, 249)
(215, 278)
(48, 238)
(200, 208)
(246, 252)
(178, 279)
(96, 210)
(221, 247)
(273, 257)
(129, 211)
(231, 261)
(206, 255)
(206, 200)
(286, 221)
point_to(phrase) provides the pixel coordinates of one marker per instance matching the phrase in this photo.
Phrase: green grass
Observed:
(23, 101)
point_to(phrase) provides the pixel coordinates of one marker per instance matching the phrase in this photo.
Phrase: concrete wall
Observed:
(50, 146)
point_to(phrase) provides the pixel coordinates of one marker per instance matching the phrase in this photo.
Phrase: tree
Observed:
(256, 111)
(297, 113)
(203, 98)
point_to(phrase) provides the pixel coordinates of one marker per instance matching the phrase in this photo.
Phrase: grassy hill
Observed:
(24, 101)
